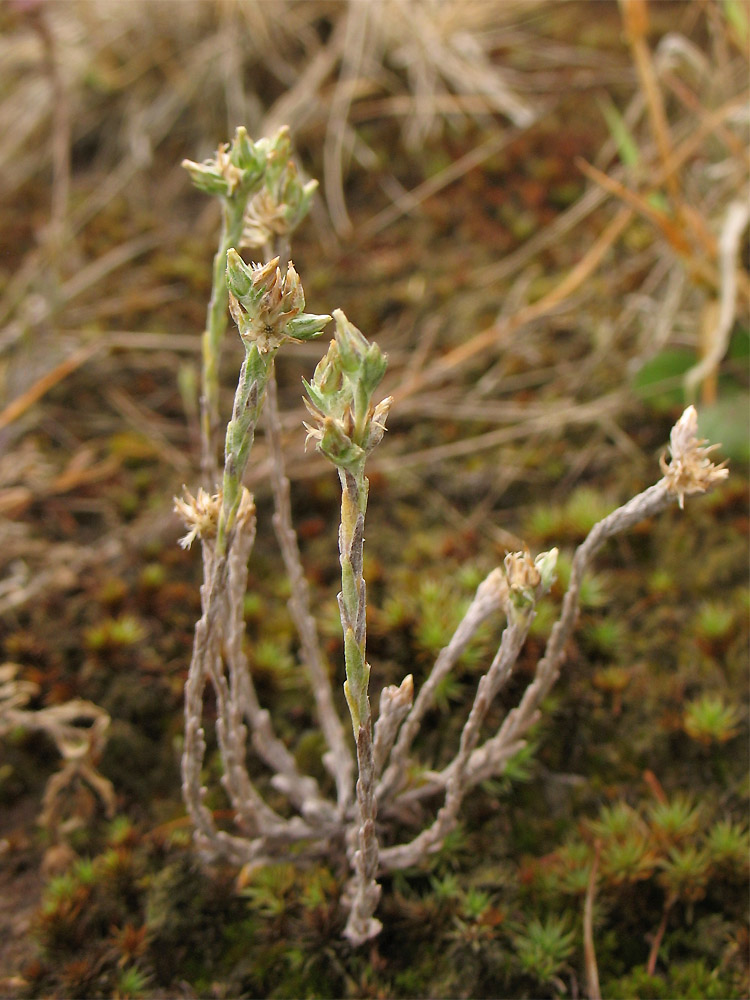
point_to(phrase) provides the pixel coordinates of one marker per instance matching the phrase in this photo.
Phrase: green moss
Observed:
(543, 947)
(114, 633)
(709, 719)
(186, 912)
(688, 980)
(714, 620)
(132, 984)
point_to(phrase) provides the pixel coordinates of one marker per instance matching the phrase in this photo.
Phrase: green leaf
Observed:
(206, 178)
(246, 154)
(338, 447)
(374, 365)
(660, 381)
(320, 401)
(239, 275)
(306, 326)
(736, 13)
(627, 146)
(739, 345)
(727, 422)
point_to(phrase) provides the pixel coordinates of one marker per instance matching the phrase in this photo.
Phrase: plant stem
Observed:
(653, 955)
(216, 324)
(589, 951)
(338, 760)
(353, 607)
(430, 839)
(487, 601)
(489, 759)
(248, 403)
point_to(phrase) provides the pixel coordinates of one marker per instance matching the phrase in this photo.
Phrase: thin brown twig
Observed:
(574, 414)
(710, 124)
(143, 419)
(432, 185)
(635, 20)
(690, 101)
(718, 327)
(589, 951)
(639, 204)
(17, 407)
(352, 55)
(60, 136)
(653, 954)
(498, 331)
(675, 236)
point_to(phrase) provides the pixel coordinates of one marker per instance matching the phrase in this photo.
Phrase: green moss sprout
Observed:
(709, 719)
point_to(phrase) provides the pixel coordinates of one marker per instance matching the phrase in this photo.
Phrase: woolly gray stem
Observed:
(406, 855)
(248, 402)
(364, 891)
(485, 759)
(487, 600)
(489, 760)
(218, 638)
(338, 759)
(302, 790)
(216, 324)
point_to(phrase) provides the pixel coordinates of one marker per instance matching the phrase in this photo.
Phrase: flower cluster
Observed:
(200, 514)
(346, 426)
(284, 200)
(268, 306)
(528, 580)
(236, 168)
(690, 470)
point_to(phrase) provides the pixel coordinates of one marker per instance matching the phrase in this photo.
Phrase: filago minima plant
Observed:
(263, 199)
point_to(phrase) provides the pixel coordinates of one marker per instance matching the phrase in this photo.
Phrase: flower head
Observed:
(527, 580)
(200, 514)
(235, 167)
(268, 306)
(690, 470)
(278, 208)
(346, 424)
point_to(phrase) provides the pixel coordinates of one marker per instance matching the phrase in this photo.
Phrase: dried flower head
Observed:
(277, 209)
(690, 470)
(263, 220)
(523, 580)
(522, 573)
(528, 580)
(224, 166)
(200, 514)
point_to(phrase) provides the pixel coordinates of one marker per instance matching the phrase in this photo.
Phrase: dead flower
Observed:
(690, 470)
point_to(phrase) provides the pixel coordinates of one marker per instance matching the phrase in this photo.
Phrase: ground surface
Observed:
(537, 339)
